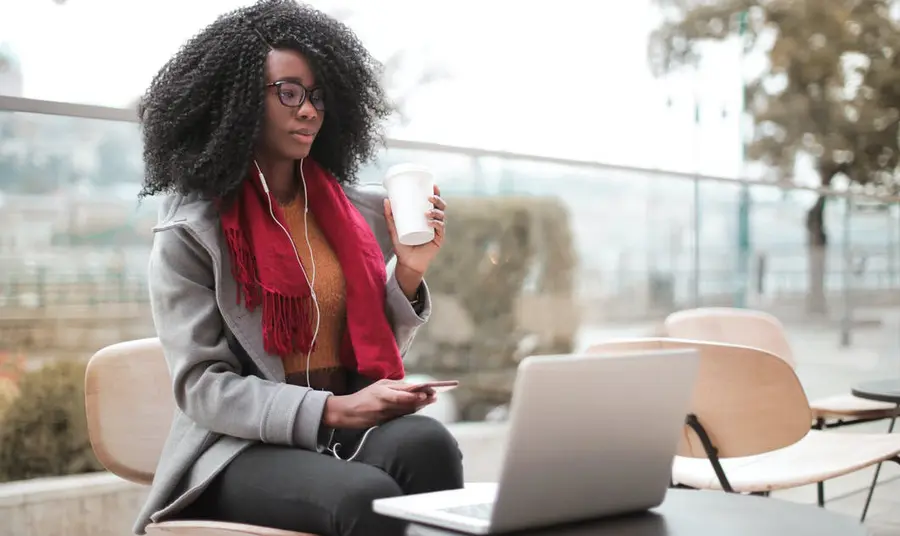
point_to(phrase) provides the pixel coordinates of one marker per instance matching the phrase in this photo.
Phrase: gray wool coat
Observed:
(229, 392)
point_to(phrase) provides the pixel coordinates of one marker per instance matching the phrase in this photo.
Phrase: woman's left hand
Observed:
(418, 258)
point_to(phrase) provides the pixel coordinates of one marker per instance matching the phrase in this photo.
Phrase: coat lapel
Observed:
(244, 324)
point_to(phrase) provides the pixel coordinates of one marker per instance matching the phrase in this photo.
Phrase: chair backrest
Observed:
(743, 327)
(130, 406)
(748, 400)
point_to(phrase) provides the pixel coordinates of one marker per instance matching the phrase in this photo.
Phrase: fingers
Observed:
(398, 397)
(413, 388)
(401, 385)
(438, 201)
(438, 226)
(395, 401)
(436, 216)
(425, 395)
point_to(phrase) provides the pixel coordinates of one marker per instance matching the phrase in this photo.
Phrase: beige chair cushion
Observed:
(817, 457)
(849, 406)
(130, 406)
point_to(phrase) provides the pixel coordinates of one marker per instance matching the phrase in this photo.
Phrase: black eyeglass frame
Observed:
(307, 92)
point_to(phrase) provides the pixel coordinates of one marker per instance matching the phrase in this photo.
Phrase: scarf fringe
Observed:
(284, 327)
(243, 268)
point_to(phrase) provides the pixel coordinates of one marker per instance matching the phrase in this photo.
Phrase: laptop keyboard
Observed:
(478, 511)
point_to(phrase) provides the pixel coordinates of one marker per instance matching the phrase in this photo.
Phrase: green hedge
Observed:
(43, 430)
(503, 287)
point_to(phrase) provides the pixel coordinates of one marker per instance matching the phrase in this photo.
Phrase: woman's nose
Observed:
(307, 111)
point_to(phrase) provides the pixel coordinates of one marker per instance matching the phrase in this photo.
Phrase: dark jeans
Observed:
(300, 490)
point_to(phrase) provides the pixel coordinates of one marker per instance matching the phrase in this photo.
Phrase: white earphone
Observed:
(310, 281)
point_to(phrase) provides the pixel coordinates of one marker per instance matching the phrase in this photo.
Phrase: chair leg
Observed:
(875, 478)
(820, 486)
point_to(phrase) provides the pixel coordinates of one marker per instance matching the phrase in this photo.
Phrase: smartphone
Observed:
(438, 386)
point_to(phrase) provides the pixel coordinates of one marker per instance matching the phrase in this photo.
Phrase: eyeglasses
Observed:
(293, 95)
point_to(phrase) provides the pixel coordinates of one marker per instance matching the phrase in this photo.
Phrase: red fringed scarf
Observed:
(267, 273)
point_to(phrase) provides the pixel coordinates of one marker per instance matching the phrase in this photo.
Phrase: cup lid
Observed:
(398, 169)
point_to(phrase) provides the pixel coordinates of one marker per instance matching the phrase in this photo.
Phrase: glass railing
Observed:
(72, 233)
(544, 256)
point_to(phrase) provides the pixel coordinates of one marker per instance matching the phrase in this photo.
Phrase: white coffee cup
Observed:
(409, 186)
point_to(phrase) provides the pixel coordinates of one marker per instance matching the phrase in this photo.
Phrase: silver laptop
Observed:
(589, 436)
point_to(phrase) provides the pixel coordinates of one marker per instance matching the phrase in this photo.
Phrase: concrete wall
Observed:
(84, 505)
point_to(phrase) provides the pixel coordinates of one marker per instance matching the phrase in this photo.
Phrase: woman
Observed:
(268, 284)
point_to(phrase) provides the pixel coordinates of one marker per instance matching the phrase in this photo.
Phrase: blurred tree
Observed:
(830, 91)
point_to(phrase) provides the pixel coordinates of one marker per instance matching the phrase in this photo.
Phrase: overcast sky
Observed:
(571, 81)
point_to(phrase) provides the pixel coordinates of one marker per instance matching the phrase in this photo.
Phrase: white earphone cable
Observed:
(309, 281)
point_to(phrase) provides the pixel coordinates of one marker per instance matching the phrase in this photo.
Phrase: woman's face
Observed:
(295, 106)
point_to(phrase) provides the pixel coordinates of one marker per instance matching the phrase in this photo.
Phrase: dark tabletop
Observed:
(701, 513)
(881, 391)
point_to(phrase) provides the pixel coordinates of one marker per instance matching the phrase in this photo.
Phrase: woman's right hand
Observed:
(373, 405)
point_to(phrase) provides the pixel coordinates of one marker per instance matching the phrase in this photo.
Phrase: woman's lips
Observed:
(304, 136)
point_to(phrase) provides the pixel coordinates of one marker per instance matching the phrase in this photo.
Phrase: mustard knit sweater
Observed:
(325, 370)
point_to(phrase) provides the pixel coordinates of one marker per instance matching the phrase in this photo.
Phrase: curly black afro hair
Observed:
(203, 111)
